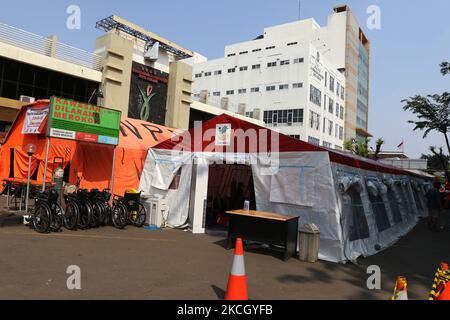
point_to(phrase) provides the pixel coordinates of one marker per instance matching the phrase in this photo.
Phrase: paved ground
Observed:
(173, 264)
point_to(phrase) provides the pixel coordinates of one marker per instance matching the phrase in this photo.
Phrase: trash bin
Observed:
(308, 242)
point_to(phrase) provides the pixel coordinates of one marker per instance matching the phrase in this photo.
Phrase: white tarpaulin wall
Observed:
(377, 209)
(361, 206)
(359, 212)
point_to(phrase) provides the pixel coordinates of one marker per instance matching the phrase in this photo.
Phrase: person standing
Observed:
(434, 204)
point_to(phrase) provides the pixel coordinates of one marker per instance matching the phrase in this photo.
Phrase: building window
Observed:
(271, 64)
(256, 66)
(241, 91)
(341, 133)
(231, 70)
(337, 110)
(256, 50)
(324, 124)
(245, 68)
(341, 112)
(315, 96)
(297, 85)
(330, 127)
(338, 89)
(243, 52)
(230, 92)
(283, 87)
(326, 144)
(297, 116)
(295, 136)
(314, 141)
(285, 117)
(198, 75)
(249, 114)
(207, 74)
(336, 131)
(271, 47)
(217, 72)
(342, 93)
(255, 89)
(330, 105)
(338, 148)
(292, 43)
(299, 60)
(216, 94)
(231, 55)
(331, 84)
(270, 88)
(284, 62)
(314, 120)
(325, 102)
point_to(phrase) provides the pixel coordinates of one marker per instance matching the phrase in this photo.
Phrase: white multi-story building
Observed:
(282, 78)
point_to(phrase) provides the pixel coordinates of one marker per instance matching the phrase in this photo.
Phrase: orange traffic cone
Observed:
(400, 290)
(445, 292)
(237, 281)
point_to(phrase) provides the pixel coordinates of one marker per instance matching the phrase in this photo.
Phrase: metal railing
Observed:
(45, 46)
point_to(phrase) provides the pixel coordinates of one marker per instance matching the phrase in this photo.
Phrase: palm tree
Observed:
(378, 145)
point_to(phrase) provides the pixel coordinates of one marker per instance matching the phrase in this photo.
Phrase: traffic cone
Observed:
(445, 292)
(400, 290)
(441, 278)
(237, 281)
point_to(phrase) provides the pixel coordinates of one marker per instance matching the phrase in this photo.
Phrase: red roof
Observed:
(245, 131)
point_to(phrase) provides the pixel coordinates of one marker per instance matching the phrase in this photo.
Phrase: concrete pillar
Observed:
(179, 95)
(50, 49)
(117, 54)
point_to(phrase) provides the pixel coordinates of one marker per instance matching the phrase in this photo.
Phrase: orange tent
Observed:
(92, 163)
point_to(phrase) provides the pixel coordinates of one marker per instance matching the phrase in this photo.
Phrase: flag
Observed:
(401, 145)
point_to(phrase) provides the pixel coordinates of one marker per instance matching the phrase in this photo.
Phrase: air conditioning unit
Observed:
(224, 103)
(241, 109)
(152, 52)
(27, 99)
(157, 211)
(204, 94)
(257, 114)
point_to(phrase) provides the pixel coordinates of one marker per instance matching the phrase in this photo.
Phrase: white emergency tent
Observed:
(361, 206)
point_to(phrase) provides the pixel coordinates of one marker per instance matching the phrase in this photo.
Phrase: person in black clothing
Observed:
(434, 203)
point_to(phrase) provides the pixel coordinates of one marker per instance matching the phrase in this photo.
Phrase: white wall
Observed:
(292, 98)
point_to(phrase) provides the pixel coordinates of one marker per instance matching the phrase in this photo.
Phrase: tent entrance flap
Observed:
(94, 165)
(229, 185)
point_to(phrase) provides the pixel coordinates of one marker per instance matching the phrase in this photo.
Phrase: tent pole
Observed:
(47, 152)
(112, 171)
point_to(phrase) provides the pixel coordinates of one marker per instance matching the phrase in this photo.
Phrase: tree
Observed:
(433, 113)
(445, 68)
(360, 147)
(437, 161)
(378, 144)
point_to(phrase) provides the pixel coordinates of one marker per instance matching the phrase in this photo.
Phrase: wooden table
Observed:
(265, 227)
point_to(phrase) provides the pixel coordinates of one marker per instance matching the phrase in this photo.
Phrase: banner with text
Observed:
(84, 122)
(33, 120)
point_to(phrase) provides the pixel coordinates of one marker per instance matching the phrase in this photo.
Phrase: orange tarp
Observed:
(91, 162)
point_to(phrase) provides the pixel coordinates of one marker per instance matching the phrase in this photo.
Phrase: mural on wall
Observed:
(148, 94)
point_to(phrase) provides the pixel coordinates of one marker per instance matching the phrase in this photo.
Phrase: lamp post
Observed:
(31, 149)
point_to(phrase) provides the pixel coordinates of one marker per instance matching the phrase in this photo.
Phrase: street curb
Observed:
(12, 220)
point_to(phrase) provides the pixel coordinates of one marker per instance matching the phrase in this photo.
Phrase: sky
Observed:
(405, 53)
